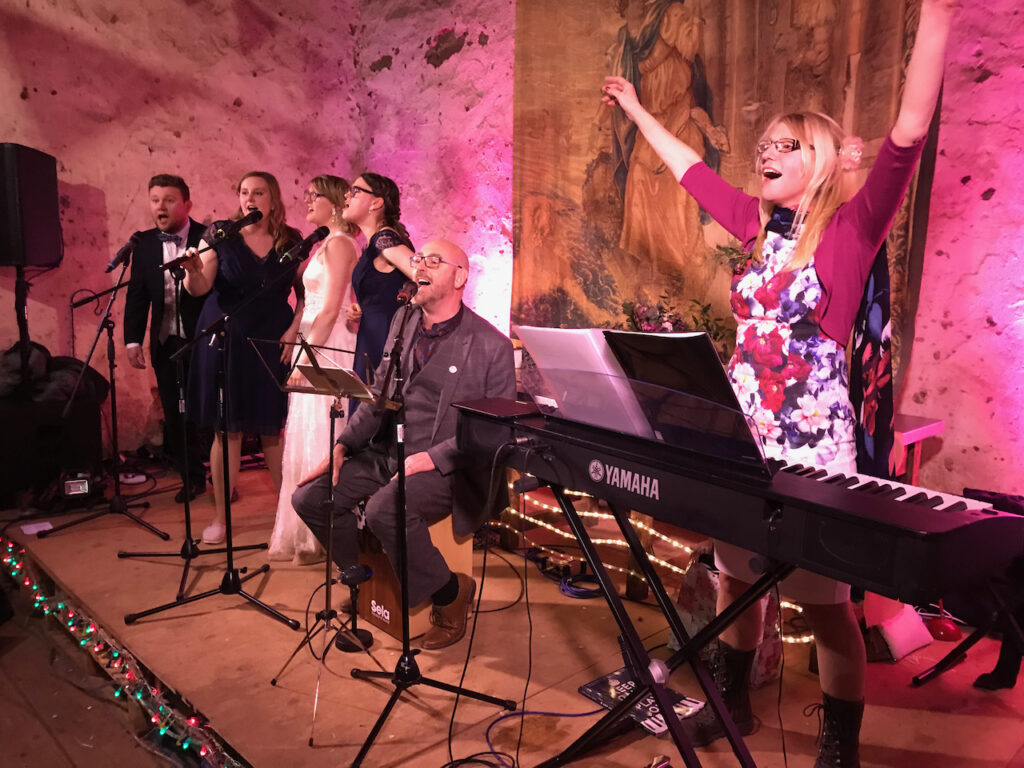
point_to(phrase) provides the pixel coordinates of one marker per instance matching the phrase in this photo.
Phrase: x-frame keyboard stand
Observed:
(635, 655)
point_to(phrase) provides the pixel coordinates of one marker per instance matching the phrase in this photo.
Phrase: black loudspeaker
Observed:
(41, 443)
(29, 211)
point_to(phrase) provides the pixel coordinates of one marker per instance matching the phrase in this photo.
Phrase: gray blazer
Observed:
(479, 362)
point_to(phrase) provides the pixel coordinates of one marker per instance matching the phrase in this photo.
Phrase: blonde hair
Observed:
(334, 189)
(828, 185)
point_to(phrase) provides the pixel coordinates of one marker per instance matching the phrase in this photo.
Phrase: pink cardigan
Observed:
(849, 243)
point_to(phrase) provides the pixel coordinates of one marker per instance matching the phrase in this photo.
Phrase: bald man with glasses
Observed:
(450, 354)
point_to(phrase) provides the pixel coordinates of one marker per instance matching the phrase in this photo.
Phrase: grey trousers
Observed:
(372, 474)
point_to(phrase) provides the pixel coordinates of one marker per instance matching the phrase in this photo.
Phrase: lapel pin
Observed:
(452, 369)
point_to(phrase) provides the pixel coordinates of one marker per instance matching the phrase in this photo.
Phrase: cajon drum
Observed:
(380, 601)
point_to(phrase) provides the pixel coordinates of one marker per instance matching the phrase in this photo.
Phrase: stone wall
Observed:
(421, 90)
(437, 117)
(211, 89)
(968, 351)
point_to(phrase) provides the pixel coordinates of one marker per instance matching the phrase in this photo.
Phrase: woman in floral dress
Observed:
(811, 250)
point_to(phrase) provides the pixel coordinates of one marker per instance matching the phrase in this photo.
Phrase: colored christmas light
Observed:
(128, 676)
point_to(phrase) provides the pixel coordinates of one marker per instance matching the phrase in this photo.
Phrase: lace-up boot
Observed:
(840, 735)
(730, 670)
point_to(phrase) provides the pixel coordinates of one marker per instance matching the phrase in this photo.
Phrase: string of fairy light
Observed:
(805, 637)
(188, 730)
(184, 730)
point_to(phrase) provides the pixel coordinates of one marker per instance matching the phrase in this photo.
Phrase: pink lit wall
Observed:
(422, 92)
(210, 89)
(437, 117)
(968, 353)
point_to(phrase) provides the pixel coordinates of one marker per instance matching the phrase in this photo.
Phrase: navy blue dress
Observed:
(377, 294)
(255, 403)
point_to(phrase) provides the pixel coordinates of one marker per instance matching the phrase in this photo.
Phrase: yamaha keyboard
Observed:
(901, 541)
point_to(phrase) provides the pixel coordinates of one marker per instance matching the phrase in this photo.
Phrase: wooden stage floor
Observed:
(221, 653)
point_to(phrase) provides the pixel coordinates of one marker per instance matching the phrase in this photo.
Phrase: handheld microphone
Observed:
(125, 253)
(300, 250)
(176, 263)
(232, 228)
(408, 291)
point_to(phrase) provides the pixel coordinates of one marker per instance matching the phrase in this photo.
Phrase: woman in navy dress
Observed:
(372, 204)
(235, 269)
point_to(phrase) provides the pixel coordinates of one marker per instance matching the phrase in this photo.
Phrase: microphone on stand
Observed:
(356, 574)
(300, 250)
(408, 291)
(404, 298)
(124, 255)
(232, 228)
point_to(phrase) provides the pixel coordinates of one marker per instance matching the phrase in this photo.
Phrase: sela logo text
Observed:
(380, 611)
(627, 480)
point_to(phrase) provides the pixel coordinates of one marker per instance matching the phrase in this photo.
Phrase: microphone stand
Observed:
(116, 505)
(190, 547)
(407, 672)
(357, 639)
(231, 583)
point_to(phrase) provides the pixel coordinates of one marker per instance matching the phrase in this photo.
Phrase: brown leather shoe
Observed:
(448, 622)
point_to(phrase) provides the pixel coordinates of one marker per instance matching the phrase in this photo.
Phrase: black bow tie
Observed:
(167, 237)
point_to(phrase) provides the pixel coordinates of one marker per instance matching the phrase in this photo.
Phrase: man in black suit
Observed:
(173, 317)
(450, 354)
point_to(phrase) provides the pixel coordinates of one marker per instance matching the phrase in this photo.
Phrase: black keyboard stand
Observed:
(636, 657)
(1002, 616)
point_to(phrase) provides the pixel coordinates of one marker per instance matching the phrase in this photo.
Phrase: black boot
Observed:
(840, 737)
(731, 672)
(1005, 673)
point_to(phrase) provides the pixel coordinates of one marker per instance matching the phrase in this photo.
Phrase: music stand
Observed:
(337, 383)
(407, 672)
(682, 391)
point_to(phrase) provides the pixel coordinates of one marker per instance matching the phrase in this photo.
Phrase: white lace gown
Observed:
(307, 431)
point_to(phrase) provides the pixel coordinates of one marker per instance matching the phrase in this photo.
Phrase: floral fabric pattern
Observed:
(790, 379)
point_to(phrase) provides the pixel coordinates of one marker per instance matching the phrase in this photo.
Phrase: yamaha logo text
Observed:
(627, 480)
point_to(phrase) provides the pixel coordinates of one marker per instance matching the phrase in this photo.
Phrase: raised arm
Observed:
(675, 153)
(924, 72)
(399, 255)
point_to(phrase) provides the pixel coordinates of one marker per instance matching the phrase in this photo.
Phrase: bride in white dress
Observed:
(328, 292)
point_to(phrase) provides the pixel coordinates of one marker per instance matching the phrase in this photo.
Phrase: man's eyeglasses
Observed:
(432, 260)
(781, 145)
(311, 197)
(354, 190)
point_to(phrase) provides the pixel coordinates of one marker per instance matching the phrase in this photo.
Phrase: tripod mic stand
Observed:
(190, 547)
(231, 584)
(117, 504)
(407, 672)
(338, 384)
